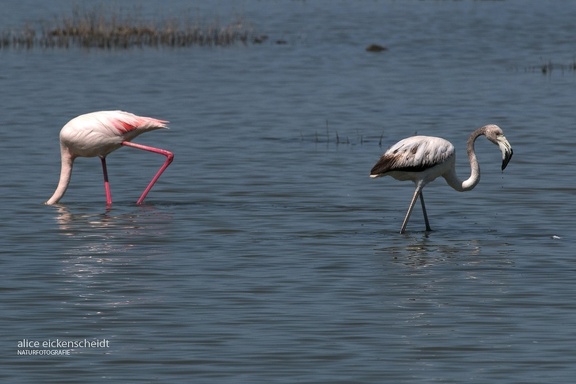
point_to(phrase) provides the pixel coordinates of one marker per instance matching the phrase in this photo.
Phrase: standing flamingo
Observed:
(424, 158)
(98, 134)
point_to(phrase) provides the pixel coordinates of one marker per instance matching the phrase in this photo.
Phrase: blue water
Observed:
(265, 253)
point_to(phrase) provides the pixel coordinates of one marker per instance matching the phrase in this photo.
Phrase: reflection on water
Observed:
(100, 247)
(109, 224)
(424, 251)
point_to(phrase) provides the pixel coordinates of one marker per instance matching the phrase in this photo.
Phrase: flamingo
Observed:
(98, 134)
(422, 159)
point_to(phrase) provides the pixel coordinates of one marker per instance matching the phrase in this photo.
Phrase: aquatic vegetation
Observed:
(108, 28)
(333, 136)
(548, 67)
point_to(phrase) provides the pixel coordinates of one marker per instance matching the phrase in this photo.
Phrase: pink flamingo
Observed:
(98, 134)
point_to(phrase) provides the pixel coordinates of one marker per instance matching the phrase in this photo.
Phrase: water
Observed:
(265, 253)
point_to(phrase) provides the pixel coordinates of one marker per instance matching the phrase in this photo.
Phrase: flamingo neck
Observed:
(65, 174)
(474, 179)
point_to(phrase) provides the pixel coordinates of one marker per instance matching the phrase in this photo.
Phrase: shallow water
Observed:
(265, 253)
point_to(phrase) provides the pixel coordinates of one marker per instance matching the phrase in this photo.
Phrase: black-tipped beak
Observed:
(506, 150)
(507, 153)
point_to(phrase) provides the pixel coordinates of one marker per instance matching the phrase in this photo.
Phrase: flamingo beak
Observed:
(506, 150)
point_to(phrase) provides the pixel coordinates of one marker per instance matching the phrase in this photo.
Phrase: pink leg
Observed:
(169, 157)
(106, 183)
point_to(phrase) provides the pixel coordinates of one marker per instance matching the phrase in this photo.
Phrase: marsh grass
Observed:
(548, 67)
(109, 28)
(327, 138)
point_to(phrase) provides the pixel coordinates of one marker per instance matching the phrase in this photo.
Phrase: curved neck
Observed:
(474, 179)
(65, 174)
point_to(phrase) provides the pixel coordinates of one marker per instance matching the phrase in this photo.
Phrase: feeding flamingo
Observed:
(98, 134)
(422, 159)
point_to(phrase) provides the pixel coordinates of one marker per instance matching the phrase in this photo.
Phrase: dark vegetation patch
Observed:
(110, 28)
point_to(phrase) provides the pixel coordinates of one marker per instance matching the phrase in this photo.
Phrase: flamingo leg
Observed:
(169, 157)
(106, 182)
(424, 212)
(412, 203)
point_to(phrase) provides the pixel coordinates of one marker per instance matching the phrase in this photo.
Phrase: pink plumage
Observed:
(98, 134)
(125, 122)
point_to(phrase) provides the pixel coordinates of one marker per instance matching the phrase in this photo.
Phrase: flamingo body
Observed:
(415, 158)
(422, 159)
(99, 134)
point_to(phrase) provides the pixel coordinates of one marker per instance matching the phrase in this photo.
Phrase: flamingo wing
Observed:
(99, 133)
(123, 122)
(413, 154)
(114, 123)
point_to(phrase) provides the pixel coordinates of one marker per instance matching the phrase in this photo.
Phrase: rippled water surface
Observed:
(265, 253)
